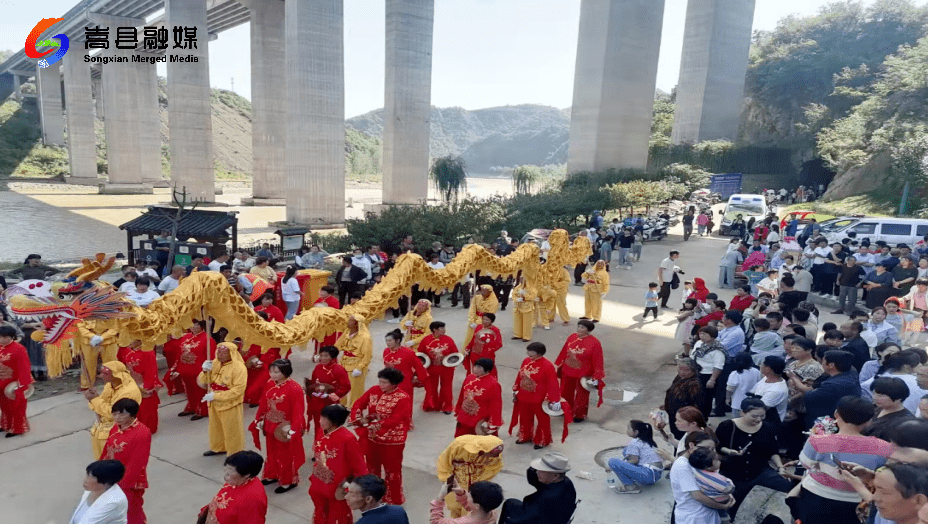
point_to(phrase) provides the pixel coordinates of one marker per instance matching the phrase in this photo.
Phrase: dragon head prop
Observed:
(61, 305)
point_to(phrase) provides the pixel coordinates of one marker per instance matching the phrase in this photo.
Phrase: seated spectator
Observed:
(263, 270)
(197, 263)
(876, 367)
(126, 269)
(128, 282)
(554, 500)
(833, 338)
(33, 269)
(742, 299)
(900, 365)
(802, 317)
(142, 294)
(640, 464)
(170, 282)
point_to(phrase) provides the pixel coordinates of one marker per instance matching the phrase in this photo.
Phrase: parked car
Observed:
(891, 230)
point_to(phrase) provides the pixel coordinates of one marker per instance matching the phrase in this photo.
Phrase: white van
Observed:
(748, 206)
(891, 230)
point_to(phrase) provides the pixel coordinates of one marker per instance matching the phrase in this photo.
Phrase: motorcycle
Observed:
(654, 229)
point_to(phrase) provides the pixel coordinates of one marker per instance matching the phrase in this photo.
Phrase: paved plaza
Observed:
(51, 458)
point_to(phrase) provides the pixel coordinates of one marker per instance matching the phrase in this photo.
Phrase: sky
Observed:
(486, 53)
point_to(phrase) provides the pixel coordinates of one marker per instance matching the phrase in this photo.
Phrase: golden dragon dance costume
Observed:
(479, 306)
(356, 349)
(468, 461)
(595, 287)
(122, 386)
(227, 382)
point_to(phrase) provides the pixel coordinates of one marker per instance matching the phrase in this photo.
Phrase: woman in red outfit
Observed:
(189, 364)
(14, 367)
(130, 443)
(399, 357)
(480, 400)
(337, 457)
(242, 499)
(327, 385)
(171, 351)
(143, 366)
(486, 341)
(283, 403)
(389, 412)
(438, 390)
(267, 305)
(327, 298)
(536, 382)
(258, 364)
(700, 292)
(581, 357)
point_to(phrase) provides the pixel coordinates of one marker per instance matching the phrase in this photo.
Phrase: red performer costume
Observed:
(132, 447)
(282, 403)
(386, 436)
(273, 313)
(14, 367)
(143, 366)
(258, 371)
(330, 339)
(481, 398)
(171, 351)
(536, 382)
(439, 395)
(337, 456)
(405, 360)
(484, 344)
(189, 365)
(244, 504)
(580, 357)
(331, 374)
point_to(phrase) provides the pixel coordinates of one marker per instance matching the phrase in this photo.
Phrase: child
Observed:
(687, 291)
(765, 342)
(129, 284)
(742, 380)
(685, 324)
(639, 243)
(705, 463)
(754, 276)
(650, 300)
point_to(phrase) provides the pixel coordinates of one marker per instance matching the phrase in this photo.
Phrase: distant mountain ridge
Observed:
(505, 136)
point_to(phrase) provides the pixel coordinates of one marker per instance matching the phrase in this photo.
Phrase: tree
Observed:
(449, 175)
(525, 179)
(179, 199)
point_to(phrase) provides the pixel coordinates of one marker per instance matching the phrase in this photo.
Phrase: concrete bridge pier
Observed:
(48, 84)
(614, 83)
(98, 96)
(149, 112)
(82, 140)
(716, 43)
(315, 72)
(407, 101)
(189, 111)
(268, 103)
(124, 145)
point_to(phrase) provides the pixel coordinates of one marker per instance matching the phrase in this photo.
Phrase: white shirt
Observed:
(773, 237)
(870, 338)
(821, 253)
(773, 394)
(364, 263)
(771, 286)
(710, 361)
(667, 267)
(742, 382)
(915, 393)
(436, 265)
(290, 290)
(127, 286)
(148, 272)
(688, 509)
(110, 508)
(215, 265)
(168, 284)
(143, 299)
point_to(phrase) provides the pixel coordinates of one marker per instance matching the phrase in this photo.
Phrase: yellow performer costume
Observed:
(470, 458)
(523, 315)
(595, 288)
(226, 384)
(416, 327)
(356, 349)
(483, 302)
(122, 386)
(544, 307)
(561, 286)
(107, 349)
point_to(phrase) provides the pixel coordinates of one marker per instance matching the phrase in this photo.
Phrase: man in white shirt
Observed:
(869, 337)
(665, 275)
(865, 259)
(129, 284)
(803, 279)
(170, 282)
(217, 263)
(770, 284)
